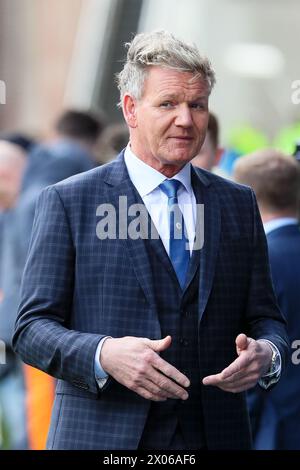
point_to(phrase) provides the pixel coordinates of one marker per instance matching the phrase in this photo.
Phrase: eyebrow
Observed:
(175, 97)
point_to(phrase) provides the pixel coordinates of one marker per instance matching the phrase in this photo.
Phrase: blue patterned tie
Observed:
(179, 245)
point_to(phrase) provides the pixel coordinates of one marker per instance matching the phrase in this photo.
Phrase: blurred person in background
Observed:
(210, 152)
(113, 140)
(296, 152)
(12, 166)
(143, 333)
(25, 142)
(1, 236)
(275, 178)
(70, 152)
(71, 149)
(80, 127)
(13, 161)
(22, 144)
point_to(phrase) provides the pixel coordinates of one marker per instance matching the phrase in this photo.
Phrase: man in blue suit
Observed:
(153, 333)
(275, 179)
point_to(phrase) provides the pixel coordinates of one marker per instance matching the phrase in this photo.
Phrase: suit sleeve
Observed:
(263, 314)
(42, 335)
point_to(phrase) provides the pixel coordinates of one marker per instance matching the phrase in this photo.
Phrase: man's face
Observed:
(9, 188)
(168, 124)
(12, 164)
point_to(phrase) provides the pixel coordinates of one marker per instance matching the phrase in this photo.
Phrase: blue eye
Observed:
(198, 106)
(166, 104)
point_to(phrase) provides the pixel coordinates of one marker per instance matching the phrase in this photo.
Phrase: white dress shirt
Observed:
(147, 180)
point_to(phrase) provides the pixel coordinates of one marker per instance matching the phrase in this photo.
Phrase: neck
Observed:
(167, 169)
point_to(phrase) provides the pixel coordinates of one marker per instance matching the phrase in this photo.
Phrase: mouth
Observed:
(181, 138)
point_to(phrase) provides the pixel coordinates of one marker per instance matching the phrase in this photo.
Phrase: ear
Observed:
(129, 110)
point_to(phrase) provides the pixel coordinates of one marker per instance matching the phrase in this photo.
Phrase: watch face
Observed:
(275, 361)
(274, 372)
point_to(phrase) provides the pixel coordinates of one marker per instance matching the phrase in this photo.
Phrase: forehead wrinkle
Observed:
(164, 86)
(175, 95)
(182, 95)
(174, 85)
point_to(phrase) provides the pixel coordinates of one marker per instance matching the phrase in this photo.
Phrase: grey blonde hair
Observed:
(160, 48)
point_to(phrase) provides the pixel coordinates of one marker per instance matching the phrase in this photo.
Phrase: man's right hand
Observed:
(136, 364)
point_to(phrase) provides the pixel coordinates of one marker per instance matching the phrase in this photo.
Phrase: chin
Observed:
(181, 157)
(176, 156)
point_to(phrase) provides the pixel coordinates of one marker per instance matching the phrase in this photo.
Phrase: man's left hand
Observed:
(254, 359)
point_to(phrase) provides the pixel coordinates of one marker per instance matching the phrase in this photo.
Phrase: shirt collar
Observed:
(280, 222)
(146, 179)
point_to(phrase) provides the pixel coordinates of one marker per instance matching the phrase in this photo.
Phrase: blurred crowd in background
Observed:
(59, 117)
(26, 167)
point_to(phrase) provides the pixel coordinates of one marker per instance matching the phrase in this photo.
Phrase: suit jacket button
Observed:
(183, 341)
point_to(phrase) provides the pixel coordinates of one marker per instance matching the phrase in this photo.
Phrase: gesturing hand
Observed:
(135, 363)
(243, 373)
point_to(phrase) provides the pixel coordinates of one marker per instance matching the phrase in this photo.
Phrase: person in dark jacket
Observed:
(275, 178)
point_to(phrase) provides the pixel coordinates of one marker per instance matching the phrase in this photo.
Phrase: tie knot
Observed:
(170, 187)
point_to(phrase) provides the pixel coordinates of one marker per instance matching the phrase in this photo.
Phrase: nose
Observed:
(184, 116)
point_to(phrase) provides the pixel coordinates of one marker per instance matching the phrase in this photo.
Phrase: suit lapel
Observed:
(195, 255)
(122, 187)
(208, 253)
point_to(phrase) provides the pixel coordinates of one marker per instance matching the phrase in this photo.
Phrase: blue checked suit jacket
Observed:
(77, 288)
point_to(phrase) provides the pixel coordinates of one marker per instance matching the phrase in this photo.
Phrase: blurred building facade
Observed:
(59, 53)
(36, 43)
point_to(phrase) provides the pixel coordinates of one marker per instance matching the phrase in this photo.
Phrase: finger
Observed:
(168, 386)
(159, 345)
(240, 386)
(242, 362)
(170, 371)
(156, 390)
(143, 392)
(241, 342)
(228, 373)
(218, 381)
(252, 370)
(234, 379)
(246, 374)
(212, 380)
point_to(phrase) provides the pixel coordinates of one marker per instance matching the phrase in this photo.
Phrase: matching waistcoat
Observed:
(177, 311)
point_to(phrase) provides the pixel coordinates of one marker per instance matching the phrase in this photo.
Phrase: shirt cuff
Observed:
(100, 375)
